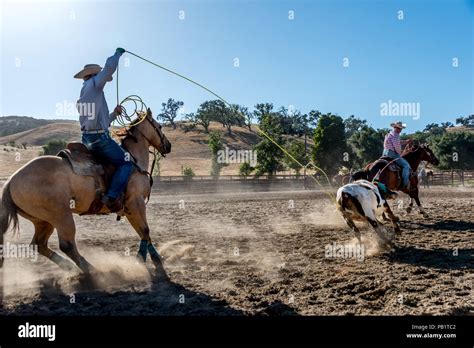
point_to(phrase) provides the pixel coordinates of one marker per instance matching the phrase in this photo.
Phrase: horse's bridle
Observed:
(431, 158)
(158, 131)
(134, 138)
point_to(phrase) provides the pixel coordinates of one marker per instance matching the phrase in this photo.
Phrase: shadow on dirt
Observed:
(162, 298)
(433, 258)
(448, 225)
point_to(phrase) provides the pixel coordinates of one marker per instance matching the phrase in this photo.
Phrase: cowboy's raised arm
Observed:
(105, 75)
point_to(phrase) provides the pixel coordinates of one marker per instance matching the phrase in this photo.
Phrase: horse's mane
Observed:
(126, 131)
(410, 151)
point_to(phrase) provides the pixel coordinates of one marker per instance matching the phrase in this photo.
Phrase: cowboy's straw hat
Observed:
(398, 124)
(89, 69)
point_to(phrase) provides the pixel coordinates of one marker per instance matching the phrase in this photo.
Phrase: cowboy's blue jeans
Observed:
(402, 163)
(105, 148)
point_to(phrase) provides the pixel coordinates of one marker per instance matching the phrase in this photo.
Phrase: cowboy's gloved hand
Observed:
(118, 109)
(120, 50)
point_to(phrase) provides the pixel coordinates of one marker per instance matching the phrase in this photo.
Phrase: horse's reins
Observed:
(125, 116)
(141, 170)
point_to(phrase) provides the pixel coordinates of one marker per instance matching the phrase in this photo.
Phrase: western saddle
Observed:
(83, 162)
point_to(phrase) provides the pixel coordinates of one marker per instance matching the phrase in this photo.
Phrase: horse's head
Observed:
(428, 155)
(152, 131)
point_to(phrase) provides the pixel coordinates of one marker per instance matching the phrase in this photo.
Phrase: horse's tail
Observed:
(8, 212)
(8, 215)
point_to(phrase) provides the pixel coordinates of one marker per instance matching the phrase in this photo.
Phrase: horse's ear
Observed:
(149, 113)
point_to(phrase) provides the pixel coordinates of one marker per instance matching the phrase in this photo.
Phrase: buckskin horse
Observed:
(48, 190)
(390, 174)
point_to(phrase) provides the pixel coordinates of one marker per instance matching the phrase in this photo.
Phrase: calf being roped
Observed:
(364, 201)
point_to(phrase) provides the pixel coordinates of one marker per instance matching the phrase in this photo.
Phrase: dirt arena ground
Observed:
(257, 253)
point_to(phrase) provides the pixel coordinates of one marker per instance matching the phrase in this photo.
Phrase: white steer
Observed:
(362, 201)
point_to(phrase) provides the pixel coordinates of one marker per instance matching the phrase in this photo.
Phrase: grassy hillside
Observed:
(188, 148)
(16, 124)
(41, 135)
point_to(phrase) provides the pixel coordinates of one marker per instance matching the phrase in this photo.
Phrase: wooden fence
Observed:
(445, 178)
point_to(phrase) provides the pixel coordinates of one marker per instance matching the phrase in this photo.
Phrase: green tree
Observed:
(353, 124)
(269, 156)
(157, 169)
(434, 129)
(366, 145)
(313, 118)
(329, 143)
(232, 116)
(188, 173)
(215, 144)
(52, 147)
(467, 121)
(247, 116)
(169, 111)
(296, 149)
(261, 110)
(203, 116)
(245, 169)
(454, 150)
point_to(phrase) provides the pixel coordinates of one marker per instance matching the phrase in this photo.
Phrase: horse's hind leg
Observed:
(352, 225)
(67, 243)
(43, 231)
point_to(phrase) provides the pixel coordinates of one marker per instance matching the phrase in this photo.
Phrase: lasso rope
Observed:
(127, 117)
(410, 150)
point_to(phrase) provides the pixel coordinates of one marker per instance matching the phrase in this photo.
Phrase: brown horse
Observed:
(391, 177)
(47, 192)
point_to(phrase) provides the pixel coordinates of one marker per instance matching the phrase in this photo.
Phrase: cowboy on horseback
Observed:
(392, 148)
(95, 121)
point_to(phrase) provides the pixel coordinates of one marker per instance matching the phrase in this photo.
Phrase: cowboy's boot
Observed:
(114, 205)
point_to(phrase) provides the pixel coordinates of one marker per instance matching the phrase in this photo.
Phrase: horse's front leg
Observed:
(418, 203)
(136, 215)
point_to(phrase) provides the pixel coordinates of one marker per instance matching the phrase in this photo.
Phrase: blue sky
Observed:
(286, 62)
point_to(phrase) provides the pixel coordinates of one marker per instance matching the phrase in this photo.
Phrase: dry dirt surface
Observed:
(257, 254)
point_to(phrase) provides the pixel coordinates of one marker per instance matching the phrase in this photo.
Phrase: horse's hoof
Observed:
(389, 246)
(140, 258)
(161, 275)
